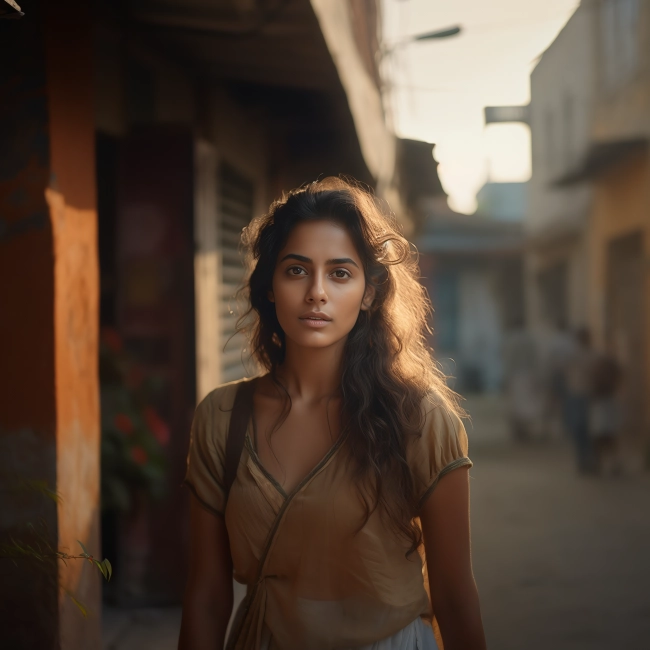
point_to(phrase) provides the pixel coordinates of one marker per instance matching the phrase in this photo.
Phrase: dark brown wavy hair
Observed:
(388, 366)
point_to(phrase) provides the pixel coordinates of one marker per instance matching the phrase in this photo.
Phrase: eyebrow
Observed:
(307, 260)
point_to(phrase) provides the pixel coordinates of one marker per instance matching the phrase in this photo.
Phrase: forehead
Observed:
(316, 239)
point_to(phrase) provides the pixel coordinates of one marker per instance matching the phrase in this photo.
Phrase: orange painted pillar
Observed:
(49, 286)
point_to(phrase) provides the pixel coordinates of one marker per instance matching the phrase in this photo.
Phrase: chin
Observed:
(314, 340)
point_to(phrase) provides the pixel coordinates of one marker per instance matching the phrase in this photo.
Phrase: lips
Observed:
(315, 315)
(315, 319)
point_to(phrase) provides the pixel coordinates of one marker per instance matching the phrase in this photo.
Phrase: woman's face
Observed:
(319, 285)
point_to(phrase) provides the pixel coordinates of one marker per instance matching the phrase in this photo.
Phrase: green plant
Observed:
(35, 546)
(133, 433)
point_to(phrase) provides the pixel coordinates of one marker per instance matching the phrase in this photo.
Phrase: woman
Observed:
(355, 462)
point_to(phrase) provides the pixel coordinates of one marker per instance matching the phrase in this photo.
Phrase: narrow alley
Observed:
(560, 560)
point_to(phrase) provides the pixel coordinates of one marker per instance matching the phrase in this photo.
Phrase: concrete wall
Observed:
(173, 96)
(49, 414)
(378, 142)
(620, 299)
(240, 137)
(621, 207)
(562, 101)
(144, 97)
(619, 315)
(562, 94)
(623, 61)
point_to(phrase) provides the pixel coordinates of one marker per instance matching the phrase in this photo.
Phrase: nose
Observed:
(316, 292)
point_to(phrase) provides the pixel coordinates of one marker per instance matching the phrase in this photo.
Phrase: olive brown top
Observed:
(315, 578)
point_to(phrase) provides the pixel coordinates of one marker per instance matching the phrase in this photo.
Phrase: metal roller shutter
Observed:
(236, 195)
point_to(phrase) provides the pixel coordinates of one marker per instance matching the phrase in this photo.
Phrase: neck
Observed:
(312, 373)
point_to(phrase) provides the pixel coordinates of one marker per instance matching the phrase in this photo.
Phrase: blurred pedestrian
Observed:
(579, 369)
(336, 480)
(521, 383)
(561, 347)
(605, 413)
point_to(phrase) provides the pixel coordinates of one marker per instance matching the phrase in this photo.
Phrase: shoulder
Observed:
(441, 446)
(206, 458)
(222, 398)
(439, 416)
(212, 414)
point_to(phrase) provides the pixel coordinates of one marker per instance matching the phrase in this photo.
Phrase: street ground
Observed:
(562, 561)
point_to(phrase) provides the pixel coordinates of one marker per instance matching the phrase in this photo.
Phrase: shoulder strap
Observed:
(239, 417)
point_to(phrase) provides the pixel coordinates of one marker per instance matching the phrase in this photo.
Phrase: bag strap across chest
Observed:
(239, 417)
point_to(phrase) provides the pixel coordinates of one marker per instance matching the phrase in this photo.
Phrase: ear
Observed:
(270, 296)
(368, 298)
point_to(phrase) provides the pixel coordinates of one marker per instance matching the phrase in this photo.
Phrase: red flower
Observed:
(139, 455)
(156, 425)
(124, 424)
(111, 339)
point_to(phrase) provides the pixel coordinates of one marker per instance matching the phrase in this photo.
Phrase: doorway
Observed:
(624, 322)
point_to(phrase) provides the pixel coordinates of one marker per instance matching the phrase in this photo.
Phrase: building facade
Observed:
(562, 92)
(139, 139)
(590, 94)
(618, 167)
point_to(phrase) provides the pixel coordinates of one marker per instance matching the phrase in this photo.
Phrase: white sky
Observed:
(439, 87)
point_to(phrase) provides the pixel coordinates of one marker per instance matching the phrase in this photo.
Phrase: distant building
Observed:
(503, 201)
(472, 268)
(616, 165)
(588, 228)
(562, 91)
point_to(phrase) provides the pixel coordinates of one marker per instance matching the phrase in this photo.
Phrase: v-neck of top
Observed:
(252, 450)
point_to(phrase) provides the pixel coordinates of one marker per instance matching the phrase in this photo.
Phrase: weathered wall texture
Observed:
(27, 407)
(620, 312)
(49, 414)
(71, 200)
(562, 95)
(620, 214)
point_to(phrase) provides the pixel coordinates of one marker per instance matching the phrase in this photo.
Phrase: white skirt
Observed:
(418, 635)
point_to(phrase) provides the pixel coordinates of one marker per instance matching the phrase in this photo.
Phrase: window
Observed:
(620, 39)
(628, 35)
(236, 194)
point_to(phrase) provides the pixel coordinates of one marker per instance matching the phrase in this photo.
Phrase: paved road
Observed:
(562, 562)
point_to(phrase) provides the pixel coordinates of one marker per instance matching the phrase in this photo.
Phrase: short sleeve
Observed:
(205, 458)
(440, 449)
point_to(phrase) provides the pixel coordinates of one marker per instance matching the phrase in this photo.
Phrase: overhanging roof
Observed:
(470, 234)
(599, 157)
(273, 56)
(278, 46)
(377, 142)
(305, 46)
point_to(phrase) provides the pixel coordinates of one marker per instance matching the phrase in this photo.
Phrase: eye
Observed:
(296, 270)
(341, 274)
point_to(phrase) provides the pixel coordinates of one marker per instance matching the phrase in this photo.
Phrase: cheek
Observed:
(283, 292)
(287, 298)
(347, 301)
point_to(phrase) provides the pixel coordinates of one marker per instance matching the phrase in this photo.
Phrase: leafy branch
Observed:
(44, 554)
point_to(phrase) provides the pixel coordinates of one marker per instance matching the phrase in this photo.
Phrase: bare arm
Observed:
(208, 595)
(445, 525)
